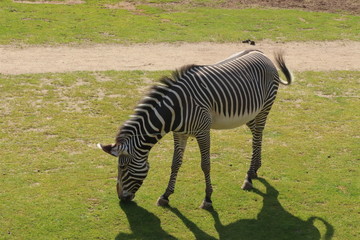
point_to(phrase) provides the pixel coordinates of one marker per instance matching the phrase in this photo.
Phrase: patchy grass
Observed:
(120, 22)
(55, 184)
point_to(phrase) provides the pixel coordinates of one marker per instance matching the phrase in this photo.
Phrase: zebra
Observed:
(196, 98)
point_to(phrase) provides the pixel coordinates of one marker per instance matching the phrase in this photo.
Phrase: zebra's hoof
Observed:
(247, 185)
(162, 202)
(206, 205)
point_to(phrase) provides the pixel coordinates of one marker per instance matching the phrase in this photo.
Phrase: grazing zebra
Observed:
(239, 90)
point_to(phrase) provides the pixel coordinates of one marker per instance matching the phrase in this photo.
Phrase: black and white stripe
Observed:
(239, 90)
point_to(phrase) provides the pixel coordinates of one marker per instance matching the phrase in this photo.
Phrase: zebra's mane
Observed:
(179, 73)
(160, 89)
(154, 96)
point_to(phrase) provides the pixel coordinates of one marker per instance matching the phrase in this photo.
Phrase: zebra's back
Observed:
(235, 90)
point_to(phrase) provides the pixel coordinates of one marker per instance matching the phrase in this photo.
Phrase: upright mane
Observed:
(179, 73)
(153, 98)
(159, 90)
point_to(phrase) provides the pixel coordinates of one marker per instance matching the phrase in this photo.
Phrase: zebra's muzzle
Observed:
(122, 194)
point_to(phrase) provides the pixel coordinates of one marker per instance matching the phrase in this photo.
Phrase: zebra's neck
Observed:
(153, 118)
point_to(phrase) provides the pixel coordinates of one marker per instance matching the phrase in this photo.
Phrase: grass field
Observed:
(55, 184)
(103, 22)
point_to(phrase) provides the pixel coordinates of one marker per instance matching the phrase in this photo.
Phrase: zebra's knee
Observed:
(205, 167)
(176, 166)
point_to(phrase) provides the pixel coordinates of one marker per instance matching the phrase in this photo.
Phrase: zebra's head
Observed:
(132, 169)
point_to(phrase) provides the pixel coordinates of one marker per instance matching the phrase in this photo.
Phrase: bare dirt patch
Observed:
(129, 6)
(122, 5)
(335, 6)
(350, 6)
(300, 56)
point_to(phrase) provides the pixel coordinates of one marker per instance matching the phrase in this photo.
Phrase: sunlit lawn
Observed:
(55, 183)
(106, 22)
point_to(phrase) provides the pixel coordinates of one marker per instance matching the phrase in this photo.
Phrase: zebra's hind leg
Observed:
(180, 141)
(257, 127)
(203, 140)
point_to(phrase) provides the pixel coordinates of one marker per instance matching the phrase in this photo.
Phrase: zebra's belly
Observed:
(220, 121)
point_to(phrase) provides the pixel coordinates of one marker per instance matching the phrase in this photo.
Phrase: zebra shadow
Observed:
(143, 224)
(272, 222)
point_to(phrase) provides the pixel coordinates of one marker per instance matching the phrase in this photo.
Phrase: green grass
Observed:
(55, 184)
(95, 22)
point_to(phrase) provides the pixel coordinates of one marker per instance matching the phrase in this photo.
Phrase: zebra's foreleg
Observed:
(204, 145)
(180, 141)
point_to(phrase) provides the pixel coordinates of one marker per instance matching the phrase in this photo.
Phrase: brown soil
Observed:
(300, 56)
(350, 6)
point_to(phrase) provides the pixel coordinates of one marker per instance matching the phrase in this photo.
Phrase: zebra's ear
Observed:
(110, 149)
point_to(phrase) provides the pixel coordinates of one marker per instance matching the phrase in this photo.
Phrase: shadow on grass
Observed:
(143, 224)
(273, 222)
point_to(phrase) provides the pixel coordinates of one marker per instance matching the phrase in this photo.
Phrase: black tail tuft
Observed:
(281, 64)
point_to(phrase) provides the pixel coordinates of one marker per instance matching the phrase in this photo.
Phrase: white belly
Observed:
(226, 122)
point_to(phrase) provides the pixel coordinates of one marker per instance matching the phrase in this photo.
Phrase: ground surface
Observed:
(309, 5)
(300, 56)
(349, 6)
(318, 56)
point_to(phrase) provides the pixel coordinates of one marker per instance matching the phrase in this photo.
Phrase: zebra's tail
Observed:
(281, 64)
